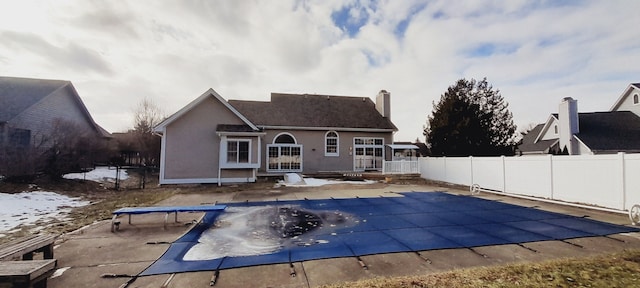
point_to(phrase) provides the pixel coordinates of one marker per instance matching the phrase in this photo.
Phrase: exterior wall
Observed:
(313, 156)
(551, 133)
(191, 145)
(41, 117)
(627, 102)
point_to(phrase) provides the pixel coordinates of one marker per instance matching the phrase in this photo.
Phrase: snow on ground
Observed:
(100, 174)
(295, 180)
(27, 208)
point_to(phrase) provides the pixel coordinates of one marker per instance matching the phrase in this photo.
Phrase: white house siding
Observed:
(627, 102)
(550, 133)
(191, 145)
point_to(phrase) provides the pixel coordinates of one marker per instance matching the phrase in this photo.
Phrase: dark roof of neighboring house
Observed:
(18, 94)
(610, 131)
(528, 145)
(636, 84)
(304, 110)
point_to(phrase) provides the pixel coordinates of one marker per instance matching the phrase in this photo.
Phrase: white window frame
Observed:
(224, 161)
(237, 156)
(326, 144)
(368, 142)
(279, 147)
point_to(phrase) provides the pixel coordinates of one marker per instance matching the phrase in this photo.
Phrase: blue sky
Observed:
(117, 53)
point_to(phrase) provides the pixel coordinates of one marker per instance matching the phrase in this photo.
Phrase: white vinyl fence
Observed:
(609, 181)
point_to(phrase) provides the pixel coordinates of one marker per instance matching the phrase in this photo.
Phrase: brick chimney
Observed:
(569, 124)
(383, 103)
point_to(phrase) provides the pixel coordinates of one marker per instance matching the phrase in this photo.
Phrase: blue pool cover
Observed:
(416, 222)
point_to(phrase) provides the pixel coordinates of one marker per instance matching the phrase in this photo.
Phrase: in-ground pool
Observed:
(258, 233)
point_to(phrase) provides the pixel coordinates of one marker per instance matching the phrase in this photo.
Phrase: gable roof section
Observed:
(314, 111)
(18, 94)
(209, 93)
(531, 143)
(617, 131)
(624, 95)
(546, 126)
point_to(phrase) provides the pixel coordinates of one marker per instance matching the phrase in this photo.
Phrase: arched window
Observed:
(635, 99)
(284, 138)
(555, 129)
(331, 144)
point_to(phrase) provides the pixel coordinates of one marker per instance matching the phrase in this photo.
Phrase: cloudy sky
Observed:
(117, 53)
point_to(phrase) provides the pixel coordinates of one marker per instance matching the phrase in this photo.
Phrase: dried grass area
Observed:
(610, 270)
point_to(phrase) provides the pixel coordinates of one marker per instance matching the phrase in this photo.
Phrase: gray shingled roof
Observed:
(303, 110)
(617, 131)
(18, 94)
(528, 145)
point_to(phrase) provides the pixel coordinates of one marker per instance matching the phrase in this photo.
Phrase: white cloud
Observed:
(117, 53)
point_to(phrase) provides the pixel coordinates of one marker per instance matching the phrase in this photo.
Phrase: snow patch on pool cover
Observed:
(259, 230)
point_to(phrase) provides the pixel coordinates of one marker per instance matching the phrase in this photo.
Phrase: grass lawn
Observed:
(611, 270)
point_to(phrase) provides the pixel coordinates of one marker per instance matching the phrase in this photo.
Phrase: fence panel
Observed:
(433, 168)
(529, 176)
(595, 180)
(459, 170)
(632, 180)
(488, 172)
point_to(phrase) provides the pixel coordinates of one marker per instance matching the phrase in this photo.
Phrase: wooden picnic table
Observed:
(26, 274)
(25, 247)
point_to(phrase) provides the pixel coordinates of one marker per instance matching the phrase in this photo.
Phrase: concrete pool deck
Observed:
(94, 251)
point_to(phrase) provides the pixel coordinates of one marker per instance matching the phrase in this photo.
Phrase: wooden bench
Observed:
(161, 209)
(27, 274)
(23, 248)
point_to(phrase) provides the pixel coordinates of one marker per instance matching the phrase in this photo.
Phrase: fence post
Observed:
(471, 168)
(623, 179)
(504, 176)
(444, 164)
(551, 174)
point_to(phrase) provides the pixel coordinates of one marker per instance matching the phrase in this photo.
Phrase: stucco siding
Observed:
(313, 155)
(191, 143)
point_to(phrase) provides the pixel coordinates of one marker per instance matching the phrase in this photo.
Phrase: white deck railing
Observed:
(400, 167)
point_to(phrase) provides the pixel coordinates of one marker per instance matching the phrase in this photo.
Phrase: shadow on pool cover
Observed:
(419, 221)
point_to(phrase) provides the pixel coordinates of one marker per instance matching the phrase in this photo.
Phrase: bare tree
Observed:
(146, 116)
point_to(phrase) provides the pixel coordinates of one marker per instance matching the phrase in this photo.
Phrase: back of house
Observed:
(212, 140)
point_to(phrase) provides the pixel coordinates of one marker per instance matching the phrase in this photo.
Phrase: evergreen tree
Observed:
(471, 119)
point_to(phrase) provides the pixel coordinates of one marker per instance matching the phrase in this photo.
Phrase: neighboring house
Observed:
(212, 140)
(573, 133)
(35, 111)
